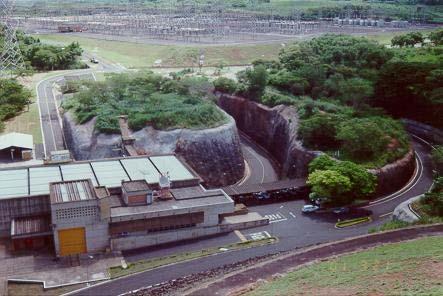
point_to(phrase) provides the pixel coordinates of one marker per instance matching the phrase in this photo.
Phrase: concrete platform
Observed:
(249, 220)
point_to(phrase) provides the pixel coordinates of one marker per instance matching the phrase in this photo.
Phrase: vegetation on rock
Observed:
(147, 99)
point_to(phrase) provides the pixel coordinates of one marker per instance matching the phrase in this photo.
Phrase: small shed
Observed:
(16, 146)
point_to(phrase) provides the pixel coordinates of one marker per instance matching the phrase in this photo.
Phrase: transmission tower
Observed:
(11, 59)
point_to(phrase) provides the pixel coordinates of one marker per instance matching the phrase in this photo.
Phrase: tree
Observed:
(409, 40)
(437, 159)
(320, 130)
(328, 183)
(322, 162)
(436, 37)
(362, 138)
(355, 91)
(225, 85)
(255, 80)
(363, 183)
(13, 98)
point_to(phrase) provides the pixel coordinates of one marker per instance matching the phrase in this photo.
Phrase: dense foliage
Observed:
(437, 159)
(433, 201)
(13, 98)
(148, 99)
(41, 56)
(355, 181)
(343, 87)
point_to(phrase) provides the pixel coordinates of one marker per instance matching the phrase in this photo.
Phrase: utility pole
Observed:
(11, 59)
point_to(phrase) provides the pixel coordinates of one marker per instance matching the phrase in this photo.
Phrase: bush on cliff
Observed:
(147, 99)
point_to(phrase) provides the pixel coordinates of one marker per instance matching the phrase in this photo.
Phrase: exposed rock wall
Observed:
(214, 153)
(275, 129)
(395, 175)
(85, 143)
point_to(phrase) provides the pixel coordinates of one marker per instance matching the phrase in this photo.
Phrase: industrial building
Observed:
(113, 204)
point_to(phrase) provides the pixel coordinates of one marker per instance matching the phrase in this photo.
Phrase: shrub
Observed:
(225, 85)
(437, 159)
(147, 99)
(320, 130)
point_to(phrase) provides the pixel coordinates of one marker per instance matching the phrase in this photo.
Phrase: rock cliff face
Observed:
(215, 153)
(85, 143)
(393, 176)
(275, 129)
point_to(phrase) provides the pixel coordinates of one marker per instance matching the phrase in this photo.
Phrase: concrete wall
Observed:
(211, 213)
(96, 230)
(156, 238)
(275, 129)
(21, 207)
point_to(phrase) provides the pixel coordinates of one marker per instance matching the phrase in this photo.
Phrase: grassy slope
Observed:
(408, 268)
(134, 55)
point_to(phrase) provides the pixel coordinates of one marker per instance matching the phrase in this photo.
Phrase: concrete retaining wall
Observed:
(395, 175)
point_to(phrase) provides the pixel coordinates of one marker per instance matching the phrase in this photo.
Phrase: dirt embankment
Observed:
(214, 153)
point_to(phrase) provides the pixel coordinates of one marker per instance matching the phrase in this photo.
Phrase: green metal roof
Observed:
(16, 140)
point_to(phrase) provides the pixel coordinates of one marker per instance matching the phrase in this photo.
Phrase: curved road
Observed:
(294, 230)
(50, 120)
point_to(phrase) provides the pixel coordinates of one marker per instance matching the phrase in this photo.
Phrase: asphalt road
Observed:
(293, 229)
(260, 168)
(50, 120)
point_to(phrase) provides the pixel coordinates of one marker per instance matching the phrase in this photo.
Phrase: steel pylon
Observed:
(11, 59)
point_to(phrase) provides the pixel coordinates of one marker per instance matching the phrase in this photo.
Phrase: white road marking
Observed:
(277, 217)
(402, 191)
(292, 214)
(50, 121)
(259, 160)
(384, 215)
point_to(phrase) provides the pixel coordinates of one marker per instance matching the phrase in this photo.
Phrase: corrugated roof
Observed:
(71, 191)
(30, 226)
(16, 140)
(34, 180)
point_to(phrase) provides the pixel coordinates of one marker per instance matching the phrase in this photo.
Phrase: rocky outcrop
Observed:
(275, 129)
(85, 142)
(214, 153)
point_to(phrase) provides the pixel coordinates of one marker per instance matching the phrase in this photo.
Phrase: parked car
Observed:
(261, 195)
(94, 60)
(309, 209)
(341, 210)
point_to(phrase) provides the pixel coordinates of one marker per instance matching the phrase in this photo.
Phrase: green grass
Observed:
(407, 268)
(352, 222)
(142, 265)
(136, 55)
